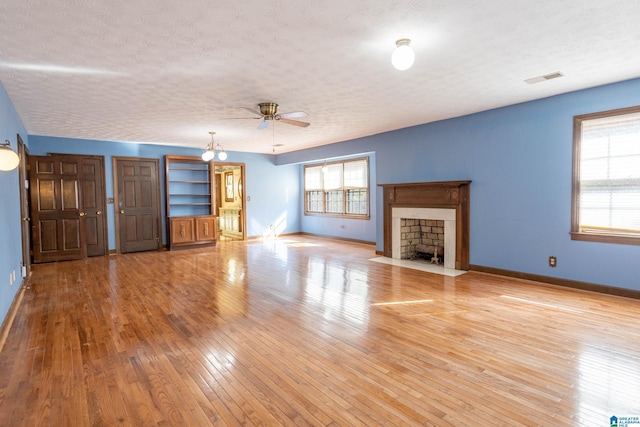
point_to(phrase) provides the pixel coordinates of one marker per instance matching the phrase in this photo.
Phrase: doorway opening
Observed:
(230, 201)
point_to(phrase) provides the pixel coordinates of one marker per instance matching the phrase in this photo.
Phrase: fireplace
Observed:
(446, 201)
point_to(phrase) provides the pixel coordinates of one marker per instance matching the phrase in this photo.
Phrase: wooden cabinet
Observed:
(189, 230)
(190, 199)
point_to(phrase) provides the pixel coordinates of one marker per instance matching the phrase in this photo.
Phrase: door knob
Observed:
(82, 214)
(99, 213)
(26, 218)
(121, 211)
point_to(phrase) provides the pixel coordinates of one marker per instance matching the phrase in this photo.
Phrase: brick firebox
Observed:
(426, 232)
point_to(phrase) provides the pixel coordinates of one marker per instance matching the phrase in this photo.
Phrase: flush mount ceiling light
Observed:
(210, 152)
(403, 57)
(8, 158)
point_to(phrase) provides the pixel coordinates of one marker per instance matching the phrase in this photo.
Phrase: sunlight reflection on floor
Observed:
(419, 265)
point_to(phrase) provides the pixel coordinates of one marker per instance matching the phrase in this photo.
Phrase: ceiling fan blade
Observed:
(256, 112)
(238, 118)
(293, 114)
(264, 124)
(293, 122)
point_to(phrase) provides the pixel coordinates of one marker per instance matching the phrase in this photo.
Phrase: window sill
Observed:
(605, 238)
(347, 216)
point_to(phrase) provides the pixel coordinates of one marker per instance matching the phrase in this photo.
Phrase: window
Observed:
(606, 177)
(340, 188)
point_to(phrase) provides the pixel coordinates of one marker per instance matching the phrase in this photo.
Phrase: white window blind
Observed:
(609, 178)
(313, 178)
(355, 174)
(333, 177)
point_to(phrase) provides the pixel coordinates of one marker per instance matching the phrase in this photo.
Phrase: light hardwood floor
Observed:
(307, 331)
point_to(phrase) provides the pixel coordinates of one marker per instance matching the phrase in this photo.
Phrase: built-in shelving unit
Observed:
(190, 201)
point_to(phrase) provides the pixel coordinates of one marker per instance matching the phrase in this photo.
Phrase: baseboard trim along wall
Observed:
(611, 290)
(11, 314)
(344, 239)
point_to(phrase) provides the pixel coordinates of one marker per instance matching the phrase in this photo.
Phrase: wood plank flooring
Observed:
(307, 331)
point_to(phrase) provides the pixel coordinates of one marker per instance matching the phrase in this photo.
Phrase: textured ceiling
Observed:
(164, 71)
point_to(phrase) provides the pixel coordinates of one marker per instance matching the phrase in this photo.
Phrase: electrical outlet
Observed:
(552, 261)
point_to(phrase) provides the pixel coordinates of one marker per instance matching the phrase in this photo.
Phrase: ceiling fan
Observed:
(269, 112)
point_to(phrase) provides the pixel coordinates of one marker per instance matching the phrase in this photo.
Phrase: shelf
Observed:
(188, 181)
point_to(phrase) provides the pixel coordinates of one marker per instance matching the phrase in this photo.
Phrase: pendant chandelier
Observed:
(211, 151)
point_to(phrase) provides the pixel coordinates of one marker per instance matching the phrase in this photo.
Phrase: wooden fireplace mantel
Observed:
(444, 195)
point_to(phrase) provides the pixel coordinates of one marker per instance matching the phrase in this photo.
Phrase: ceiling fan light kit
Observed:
(403, 57)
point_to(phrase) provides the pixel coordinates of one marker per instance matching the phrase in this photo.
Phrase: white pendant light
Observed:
(403, 57)
(221, 155)
(208, 155)
(209, 152)
(8, 158)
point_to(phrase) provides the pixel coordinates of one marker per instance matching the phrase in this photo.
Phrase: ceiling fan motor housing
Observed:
(268, 109)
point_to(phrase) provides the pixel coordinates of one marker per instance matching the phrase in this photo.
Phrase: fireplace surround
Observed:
(449, 198)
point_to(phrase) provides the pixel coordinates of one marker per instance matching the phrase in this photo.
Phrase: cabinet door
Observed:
(205, 229)
(182, 231)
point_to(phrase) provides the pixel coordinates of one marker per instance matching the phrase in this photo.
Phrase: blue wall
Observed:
(520, 161)
(11, 238)
(274, 190)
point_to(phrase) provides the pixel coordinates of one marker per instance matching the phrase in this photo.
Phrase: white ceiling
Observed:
(166, 71)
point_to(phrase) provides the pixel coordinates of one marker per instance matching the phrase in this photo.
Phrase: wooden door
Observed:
(93, 201)
(25, 210)
(57, 234)
(137, 204)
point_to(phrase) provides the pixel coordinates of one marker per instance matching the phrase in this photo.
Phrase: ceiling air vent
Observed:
(544, 78)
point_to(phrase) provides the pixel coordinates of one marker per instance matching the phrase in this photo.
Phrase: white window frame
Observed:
(621, 191)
